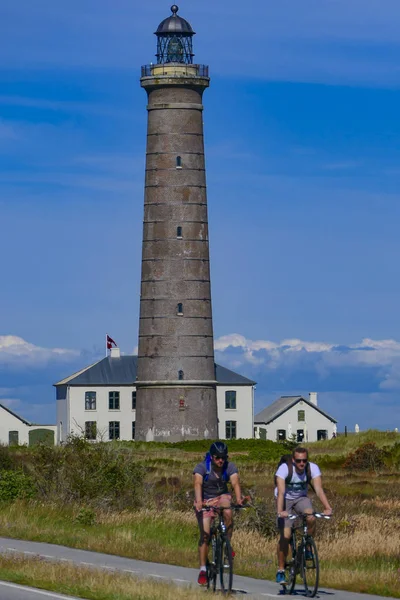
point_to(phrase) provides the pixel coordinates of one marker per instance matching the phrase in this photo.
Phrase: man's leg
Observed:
(304, 506)
(225, 500)
(204, 521)
(283, 546)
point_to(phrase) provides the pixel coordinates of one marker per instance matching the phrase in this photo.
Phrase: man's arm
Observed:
(198, 491)
(317, 483)
(236, 487)
(280, 503)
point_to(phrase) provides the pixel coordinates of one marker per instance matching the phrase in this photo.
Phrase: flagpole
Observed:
(106, 345)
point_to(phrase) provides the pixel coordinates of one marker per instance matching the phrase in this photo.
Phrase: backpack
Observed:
(287, 459)
(207, 458)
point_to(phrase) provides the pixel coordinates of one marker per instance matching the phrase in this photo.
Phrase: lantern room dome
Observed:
(174, 25)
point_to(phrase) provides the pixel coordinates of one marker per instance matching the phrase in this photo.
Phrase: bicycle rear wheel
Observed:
(310, 567)
(226, 565)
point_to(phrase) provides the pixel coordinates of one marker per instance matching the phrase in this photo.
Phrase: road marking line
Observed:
(182, 580)
(130, 571)
(158, 576)
(35, 591)
(86, 563)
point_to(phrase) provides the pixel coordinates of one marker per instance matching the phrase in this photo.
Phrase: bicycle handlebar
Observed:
(305, 515)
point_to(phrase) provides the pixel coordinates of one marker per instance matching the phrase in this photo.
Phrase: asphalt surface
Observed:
(245, 587)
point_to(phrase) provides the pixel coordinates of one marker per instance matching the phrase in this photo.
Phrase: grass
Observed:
(93, 584)
(359, 548)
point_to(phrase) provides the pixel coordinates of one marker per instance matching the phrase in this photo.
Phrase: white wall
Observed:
(9, 422)
(243, 414)
(102, 415)
(288, 421)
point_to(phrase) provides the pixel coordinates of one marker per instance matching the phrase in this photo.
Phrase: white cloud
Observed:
(291, 359)
(15, 351)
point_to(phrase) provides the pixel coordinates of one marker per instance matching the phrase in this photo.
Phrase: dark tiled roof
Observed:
(122, 371)
(274, 410)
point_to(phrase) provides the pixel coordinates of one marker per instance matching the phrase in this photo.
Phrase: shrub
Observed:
(6, 458)
(100, 475)
(15, 484)
(86, 516)
(367, 457)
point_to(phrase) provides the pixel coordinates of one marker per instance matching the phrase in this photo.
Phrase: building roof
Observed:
(174, 24)
(15, 415)
(123, 370)
(277, 408)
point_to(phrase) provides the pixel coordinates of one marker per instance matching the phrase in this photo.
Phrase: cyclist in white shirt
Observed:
(292, 480)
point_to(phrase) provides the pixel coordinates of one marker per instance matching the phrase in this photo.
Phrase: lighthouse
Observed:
(176, 386)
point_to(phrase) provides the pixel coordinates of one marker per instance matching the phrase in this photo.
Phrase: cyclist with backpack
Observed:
(295, 473)
(211, 479)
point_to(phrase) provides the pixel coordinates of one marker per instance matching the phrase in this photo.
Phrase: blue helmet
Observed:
(219, 449)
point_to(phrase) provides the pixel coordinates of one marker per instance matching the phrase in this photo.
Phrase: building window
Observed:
(13, 438)
(230, 430)
(90, 400)
(322, 434)
(134, 400)
(179, 309)
(113, 430)
(281, 435)
(90, 430)
(113, 400)
(300, 435)
(178, 162)
(179, 232)
(180, 375)
(230, 400)
(301, 415)
(133, 429)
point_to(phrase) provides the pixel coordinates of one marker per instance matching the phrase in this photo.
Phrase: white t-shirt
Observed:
(297, 488)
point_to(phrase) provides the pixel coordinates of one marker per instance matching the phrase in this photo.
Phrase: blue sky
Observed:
(303, 154)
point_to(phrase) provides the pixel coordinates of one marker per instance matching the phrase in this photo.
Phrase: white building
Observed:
(100, 401)
(16, 430)
(294, 416)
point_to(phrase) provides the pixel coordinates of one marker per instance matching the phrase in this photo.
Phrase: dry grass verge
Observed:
(93, 584)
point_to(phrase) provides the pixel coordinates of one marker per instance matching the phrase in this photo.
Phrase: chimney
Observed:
(115, 353)
(313, 398)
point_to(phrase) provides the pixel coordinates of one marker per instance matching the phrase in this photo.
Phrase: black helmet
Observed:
(219, 449)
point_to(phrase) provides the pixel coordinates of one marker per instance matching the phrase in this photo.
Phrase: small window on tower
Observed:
(179, 232)
(179, 309)
(180, 375)
(179, 162)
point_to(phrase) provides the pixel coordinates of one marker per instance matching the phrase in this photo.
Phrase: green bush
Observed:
(15, 484)
(100, 475)
(367, 457)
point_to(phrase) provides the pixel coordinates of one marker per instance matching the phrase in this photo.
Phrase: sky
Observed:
(302, 139)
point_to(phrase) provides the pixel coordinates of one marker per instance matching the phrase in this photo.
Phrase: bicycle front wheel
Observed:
(310, 567)
(291, 567)
(226, 566)
(212, 565)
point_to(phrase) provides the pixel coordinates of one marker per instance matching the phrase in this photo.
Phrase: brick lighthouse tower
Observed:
(176, 387)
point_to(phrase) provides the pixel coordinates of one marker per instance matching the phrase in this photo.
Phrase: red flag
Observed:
(110, 342)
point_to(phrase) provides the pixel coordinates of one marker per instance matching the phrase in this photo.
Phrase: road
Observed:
(254, 589)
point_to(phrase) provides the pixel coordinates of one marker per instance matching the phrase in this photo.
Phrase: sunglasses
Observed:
(301, 460)
(219, 457)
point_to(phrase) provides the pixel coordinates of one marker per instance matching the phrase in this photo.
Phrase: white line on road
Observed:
(158, 576)
(35, 591)
(182, 580)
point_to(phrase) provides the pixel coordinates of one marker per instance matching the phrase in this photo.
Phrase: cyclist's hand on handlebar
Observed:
(198, 504)
(284, 514)
(328, 512)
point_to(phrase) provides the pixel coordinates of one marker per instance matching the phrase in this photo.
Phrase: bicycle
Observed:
(221, 562)
(304, 561)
